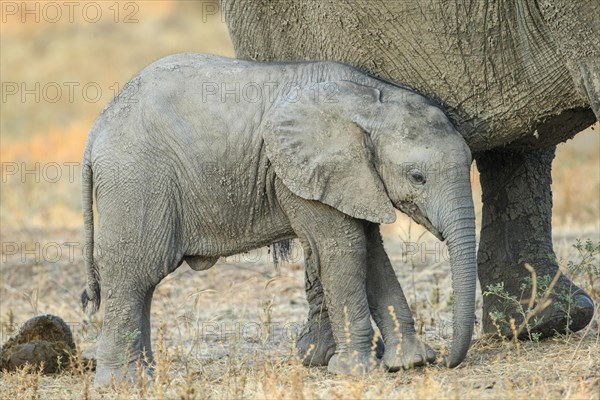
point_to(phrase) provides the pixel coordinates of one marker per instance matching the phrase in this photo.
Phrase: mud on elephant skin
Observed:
(202, 175)
(516, 78)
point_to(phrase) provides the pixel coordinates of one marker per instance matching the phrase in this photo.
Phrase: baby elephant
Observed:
(202, 157)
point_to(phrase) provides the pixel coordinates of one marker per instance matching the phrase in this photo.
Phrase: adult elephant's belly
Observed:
(491, 65)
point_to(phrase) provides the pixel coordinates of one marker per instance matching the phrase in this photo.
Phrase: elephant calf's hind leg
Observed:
(315, 344)
(125, 340)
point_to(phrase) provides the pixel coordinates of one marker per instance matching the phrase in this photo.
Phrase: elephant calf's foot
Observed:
(353, 363)
(105, 376)
(410, 352)
(571, 309)
(316, 345)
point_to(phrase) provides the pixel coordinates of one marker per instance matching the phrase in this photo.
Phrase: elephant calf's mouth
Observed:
(413, 211)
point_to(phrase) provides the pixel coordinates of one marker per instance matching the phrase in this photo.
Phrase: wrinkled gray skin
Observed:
(515, 77)
(185, 175)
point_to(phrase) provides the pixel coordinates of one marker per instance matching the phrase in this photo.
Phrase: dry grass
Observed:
(228, 332)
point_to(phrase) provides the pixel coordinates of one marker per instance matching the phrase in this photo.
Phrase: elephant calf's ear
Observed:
(320, 154)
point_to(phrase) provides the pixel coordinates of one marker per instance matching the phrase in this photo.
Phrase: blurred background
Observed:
(60, 66)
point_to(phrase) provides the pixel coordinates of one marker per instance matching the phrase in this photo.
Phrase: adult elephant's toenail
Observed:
(583, 300)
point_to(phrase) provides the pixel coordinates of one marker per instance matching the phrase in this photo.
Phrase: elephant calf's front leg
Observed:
(388, 306)
(316, 345)
(390, 309)
(342, 258)
(338, 246)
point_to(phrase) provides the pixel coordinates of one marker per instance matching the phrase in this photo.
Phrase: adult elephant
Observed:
(516, 78)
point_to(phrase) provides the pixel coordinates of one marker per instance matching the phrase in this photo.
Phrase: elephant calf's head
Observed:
(365, 152)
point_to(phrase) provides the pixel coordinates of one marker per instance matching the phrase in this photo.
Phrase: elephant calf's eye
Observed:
(416, 177)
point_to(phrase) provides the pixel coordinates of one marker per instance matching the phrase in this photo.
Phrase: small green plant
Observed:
(527, 308)
(541, 288)
(588, 266)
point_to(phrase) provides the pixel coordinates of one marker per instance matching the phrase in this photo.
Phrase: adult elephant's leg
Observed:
(390, 309)
(516, 229)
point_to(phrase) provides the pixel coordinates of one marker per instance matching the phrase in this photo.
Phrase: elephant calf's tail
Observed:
(92, 290)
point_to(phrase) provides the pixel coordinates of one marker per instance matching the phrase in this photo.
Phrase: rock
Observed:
(43, 339)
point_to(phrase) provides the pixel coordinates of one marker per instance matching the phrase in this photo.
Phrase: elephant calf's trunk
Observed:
(461, 244)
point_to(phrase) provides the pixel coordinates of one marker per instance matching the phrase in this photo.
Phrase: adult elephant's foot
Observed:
(353, 363)
(570, 308)
(516, 230)
(408, 353)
